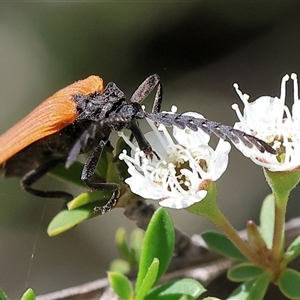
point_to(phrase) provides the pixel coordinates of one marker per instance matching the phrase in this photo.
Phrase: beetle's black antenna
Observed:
(209, 127)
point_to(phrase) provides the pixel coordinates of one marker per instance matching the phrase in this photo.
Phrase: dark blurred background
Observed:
(198, 49)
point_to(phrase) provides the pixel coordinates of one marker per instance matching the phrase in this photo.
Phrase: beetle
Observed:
(79, 119)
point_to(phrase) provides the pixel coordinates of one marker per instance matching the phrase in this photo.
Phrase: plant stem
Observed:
(278, 234)
(223, 224)
(209, 208)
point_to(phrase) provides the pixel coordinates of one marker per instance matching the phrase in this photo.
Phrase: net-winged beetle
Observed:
(78, 119)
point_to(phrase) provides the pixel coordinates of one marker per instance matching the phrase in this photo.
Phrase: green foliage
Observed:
(267, 215)
(156, 254)
(289, 283)
(158, 243)
(222, 245)
(244, 272)
(67, 219)
(253, 289)
(293, 250)
(121, 285)
(148, 280)
(130, 253)
(81, 207)
(2, 295)
(28, 295)
(190, 288)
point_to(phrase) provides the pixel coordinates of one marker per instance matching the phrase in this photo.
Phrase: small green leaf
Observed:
(222, 245)
(293, 250)
(122, 244)
(211, 298)
(244, 272)
(120, 266)
(3, 296)
(28, 295)
(148, 280)
(136, 242)
(121, 285)
(184, 297)
(253, 289)
(89, 197)
(158, 243)
(289, 283)
(131, 253)
(67, 219)
(174, 290)
(267, 219)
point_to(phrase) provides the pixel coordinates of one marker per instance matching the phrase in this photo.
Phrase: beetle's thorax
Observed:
(108, 108)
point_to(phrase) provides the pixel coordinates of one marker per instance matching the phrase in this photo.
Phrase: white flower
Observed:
(186, 162)
(269, 119)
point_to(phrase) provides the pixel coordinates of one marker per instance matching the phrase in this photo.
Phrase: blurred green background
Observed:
(198, 48)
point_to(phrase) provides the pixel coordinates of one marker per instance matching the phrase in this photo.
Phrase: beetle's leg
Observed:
(87, 176)
(32, 176)
(144, 145)
(146, 88)
(81, 145)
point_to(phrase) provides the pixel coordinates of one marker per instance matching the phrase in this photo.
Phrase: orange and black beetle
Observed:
(76, 119)
(79, 118)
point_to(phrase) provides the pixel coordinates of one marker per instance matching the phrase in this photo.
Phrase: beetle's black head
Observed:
(131, 110)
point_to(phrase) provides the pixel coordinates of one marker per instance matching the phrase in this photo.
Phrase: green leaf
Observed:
(174, 290)
(67, 219)
(120, 266)
(89, 197)
(122, 244)
(293, 250)
(28, 295)
(3, 296)
(184, 297)
(244, 272)
(267, 219)
(289, 283)
(148, 280)
(253, 289)
(211, 298)
(221, 244)
(121, 285)
(131, 253)
(158, 243)
(136, 242)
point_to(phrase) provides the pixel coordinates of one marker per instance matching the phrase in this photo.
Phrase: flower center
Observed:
(183, 168)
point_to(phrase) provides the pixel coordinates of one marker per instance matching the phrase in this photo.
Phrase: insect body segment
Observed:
(76, 119)
(79, 119)
(51, 116)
